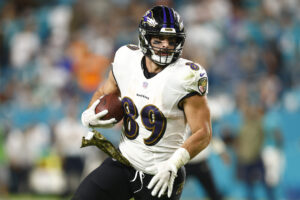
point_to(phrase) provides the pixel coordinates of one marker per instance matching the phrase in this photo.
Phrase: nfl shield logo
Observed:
(145, 84)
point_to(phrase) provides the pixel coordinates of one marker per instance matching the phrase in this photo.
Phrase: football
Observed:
(113, 104)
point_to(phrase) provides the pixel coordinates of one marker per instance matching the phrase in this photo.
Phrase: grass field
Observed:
(32, 197)
(38, 197)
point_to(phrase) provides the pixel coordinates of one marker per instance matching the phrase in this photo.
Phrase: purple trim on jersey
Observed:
(171, 17)
(179, 105)
(165, 18)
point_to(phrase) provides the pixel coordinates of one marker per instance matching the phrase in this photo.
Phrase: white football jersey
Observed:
(154, 124)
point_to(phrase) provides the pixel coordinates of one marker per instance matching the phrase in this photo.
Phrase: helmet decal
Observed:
(148, 18)
(171, 18)
(165, 18)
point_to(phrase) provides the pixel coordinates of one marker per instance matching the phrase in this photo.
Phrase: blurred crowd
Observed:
(54, 54)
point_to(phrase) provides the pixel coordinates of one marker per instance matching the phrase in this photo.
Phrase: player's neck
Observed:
(152, 67)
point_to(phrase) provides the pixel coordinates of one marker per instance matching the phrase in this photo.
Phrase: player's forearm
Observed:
(96, 96)
(109, 86)
(191, 147)
(198, 141)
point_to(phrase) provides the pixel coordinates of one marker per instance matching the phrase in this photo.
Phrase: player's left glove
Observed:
(92, 120)
(166, 172)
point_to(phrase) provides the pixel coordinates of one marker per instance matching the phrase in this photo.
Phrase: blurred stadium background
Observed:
(55, 53)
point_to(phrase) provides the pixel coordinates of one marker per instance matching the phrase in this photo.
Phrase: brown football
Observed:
(113, 104)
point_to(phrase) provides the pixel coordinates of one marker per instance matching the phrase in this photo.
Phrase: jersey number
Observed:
(152, 119)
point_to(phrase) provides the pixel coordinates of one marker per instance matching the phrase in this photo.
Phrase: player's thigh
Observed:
(90, 190)
(108, 181)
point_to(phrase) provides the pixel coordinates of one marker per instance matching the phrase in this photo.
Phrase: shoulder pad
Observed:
(197, 78)
(123, 51)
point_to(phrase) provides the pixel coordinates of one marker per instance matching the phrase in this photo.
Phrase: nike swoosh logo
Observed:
(202, 74)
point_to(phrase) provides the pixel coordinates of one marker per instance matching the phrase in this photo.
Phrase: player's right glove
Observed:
(90, 119)
(166, 172)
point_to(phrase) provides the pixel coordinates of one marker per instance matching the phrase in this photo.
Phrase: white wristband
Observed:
(180, 157)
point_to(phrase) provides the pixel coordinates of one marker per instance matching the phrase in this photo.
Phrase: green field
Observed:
(32, 197)
(39, 197)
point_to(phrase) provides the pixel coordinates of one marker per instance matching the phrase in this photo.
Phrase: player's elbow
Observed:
(206, 135)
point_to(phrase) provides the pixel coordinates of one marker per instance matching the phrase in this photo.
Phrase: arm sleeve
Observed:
(197, 82)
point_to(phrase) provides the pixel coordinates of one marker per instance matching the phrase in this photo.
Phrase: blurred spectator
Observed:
(248, 147)
(10, 25)
(199, 168)
(272, 84)
(18, 166)
(59, 23)
(37, 143)
(68, 133)
(273, 154)
(89, 69)
(23, 150)
(270, 90)
(274, 160)
(24, 46)
(47, 178)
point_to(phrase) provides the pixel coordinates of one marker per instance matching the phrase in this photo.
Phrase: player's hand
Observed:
(165, 174)
(90, 119)
(89, 135)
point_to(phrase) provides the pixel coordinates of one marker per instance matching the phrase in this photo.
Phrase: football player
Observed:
(161, 93)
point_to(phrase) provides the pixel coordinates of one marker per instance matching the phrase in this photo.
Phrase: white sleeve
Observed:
(197, 81)
(119, 64)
